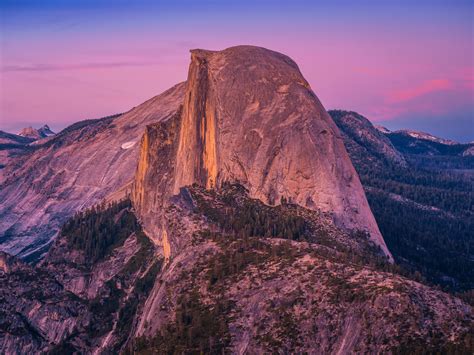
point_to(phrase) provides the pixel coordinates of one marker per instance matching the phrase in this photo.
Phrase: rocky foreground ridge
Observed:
(225, 216)
(245, 278)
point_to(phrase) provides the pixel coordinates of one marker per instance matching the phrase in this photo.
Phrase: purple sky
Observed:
(401, 64)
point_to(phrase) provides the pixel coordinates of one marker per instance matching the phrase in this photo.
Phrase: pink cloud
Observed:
(431, 98)
(426, 87)
(466, 77)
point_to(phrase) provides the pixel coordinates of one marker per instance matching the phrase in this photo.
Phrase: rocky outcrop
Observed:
(35, 309)
(294, 291)
(73, 303)
(249, 116)
(246, 277)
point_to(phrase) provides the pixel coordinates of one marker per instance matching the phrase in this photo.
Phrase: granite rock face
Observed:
(274, 294)
(72, 303)
(11, 145)
(250, 117)
(246, 115)
(153, 184)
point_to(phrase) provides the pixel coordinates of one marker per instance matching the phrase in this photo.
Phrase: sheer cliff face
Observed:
(154, 178)
(197, 152)
(249, 116)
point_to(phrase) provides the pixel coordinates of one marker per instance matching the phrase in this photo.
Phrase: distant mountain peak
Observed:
(33, 133)
(46, 131)
(382, 129)
(425, 136)
(369, 139)
(29, 132)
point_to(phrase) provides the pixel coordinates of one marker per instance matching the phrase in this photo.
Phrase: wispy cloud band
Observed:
(74, 66)
(424, 88)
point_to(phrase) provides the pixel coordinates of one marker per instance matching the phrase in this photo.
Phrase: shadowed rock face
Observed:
(154, 178)
(249, 116)
(75, 303)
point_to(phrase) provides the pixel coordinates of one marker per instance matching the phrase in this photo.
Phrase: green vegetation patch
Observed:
(100, 229)
(246, 217)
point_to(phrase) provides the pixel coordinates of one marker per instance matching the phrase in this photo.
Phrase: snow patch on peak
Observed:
(128, 145)
(426, 136)
(382, 129)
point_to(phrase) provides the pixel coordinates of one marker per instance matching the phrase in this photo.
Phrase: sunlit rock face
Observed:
(154, 178)
(249, 116)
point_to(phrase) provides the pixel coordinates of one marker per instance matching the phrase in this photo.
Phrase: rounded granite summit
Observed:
(249, 116)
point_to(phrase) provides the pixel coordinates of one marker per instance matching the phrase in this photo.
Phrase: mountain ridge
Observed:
(424, 208)
(425, 136)
(36, 134)
(309, 287)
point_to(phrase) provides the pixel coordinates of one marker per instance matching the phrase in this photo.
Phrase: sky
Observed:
(402, 64)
